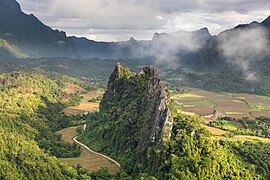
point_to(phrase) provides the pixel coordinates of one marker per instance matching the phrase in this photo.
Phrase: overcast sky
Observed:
(114, 20)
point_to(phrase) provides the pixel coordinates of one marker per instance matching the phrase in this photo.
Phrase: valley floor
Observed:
(212, 105)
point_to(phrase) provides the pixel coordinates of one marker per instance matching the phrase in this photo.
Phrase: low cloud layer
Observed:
(242, 46)
(119, 20)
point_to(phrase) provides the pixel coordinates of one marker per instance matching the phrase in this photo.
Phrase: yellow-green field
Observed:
(85, 106)
(244, 138)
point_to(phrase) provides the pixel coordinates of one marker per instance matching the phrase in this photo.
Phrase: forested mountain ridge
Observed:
(30, 35)
(152, 141)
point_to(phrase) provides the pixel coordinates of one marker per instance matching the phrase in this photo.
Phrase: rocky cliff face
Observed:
(154, 99)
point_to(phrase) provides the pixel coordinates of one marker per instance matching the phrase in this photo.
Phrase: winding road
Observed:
(86, 147)
(89, 159)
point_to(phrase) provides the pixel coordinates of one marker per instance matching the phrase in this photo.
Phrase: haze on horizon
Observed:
(116, 20)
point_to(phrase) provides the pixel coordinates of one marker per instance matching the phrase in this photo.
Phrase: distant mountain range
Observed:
(158, 46)
(23, 35)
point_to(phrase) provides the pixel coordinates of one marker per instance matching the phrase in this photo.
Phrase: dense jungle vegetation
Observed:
(30, 107)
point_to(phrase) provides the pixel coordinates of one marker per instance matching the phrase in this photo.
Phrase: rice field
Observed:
(212, 105)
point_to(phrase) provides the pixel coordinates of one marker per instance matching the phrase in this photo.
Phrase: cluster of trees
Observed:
(255, 155)
(21, 158)
(98, 99)
(122, 129)
(30, 113)
(192, 154)
(245, 126)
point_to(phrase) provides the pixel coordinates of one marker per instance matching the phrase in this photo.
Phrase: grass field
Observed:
(85, 106)
(90, 161)
(244, 138)
(72, 88)
(215, 131)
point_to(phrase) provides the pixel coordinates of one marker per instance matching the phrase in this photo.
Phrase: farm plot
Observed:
(193, 103)
(85, 106)
(233, 108)
(88, 160)
(258, 105)
(215, 131)
(244, 138)
(72, 88)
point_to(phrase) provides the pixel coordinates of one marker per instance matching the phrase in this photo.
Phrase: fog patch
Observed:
(240, 47)
(166, 49)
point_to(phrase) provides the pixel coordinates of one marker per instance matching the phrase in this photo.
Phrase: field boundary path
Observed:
(94, 152)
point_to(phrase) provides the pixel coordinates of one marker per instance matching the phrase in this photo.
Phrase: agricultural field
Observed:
(218, 111)
(90, 103)
(212, 105)
(215, 131)
(88, 160)
(72, 88)
(243, 138)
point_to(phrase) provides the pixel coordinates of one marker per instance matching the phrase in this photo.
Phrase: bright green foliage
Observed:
(30, 113)
(21, 158)
(123, 72)
(256, 156)
(193, 154)
(258, 127)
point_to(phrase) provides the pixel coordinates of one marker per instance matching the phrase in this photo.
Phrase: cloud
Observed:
(165, 48)
(240, 47)
(139, 16)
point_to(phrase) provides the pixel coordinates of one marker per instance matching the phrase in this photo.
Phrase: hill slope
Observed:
(8, 50)
(30, 35)
(30, 106)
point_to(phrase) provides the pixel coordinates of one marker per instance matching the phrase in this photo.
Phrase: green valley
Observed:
(134, 90)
